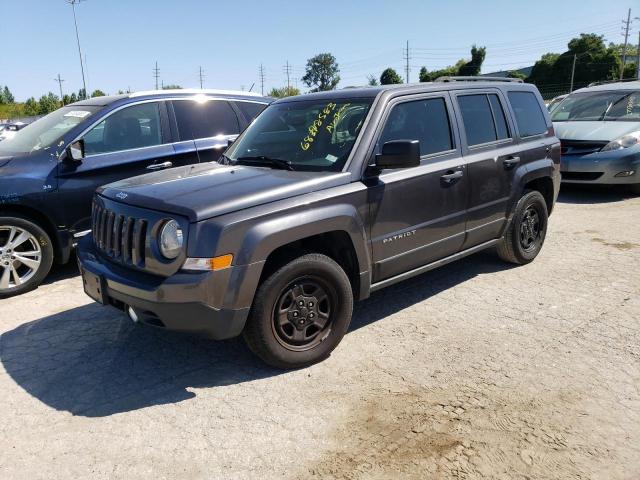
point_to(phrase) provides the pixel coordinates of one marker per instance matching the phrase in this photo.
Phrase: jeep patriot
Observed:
(323, 199)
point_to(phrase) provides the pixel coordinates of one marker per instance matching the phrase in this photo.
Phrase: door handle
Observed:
(160, 166)
(510, 162)
(452, 176)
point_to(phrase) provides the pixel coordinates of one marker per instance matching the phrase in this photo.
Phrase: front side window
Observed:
(424, 120)
(614, 105)
(205, 119)
(529, 116)
(132, 127)
(48, 130)
(315, 135)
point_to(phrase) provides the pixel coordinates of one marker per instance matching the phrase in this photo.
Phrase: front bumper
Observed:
(601, 168)
(187, 302)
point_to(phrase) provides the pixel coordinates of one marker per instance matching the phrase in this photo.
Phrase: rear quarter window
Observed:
(529, 116)
(250, 110)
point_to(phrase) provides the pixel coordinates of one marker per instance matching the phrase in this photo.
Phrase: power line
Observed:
(261, 73)
(156, 74)
(407, 57)
(60, 80)
(201, 74)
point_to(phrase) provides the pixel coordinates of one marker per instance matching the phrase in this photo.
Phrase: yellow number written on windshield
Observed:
(314, 128)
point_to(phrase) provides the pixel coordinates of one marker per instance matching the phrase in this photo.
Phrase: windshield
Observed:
(48, 130)
(613, 105)
(302, 135)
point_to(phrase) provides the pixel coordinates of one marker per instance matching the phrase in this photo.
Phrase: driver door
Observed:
(128, 142)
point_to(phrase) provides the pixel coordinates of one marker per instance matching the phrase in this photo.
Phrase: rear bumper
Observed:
(601, 168)
(183, 302)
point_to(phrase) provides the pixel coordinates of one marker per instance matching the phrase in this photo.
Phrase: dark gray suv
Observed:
(324, 199)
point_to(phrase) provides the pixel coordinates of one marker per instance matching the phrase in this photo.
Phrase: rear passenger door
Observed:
(492, 156)
(418, 214)
(210, 124)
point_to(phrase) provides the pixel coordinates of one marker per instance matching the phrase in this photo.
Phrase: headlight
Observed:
(171, 239)
(625, 141)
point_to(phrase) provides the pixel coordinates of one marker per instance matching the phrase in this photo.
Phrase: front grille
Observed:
(581, 175)
(118, 236)
(580, 147)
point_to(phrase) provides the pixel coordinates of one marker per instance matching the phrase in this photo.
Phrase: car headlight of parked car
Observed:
(171, 240)
(625, 141)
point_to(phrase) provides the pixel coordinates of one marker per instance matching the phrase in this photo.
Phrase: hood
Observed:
(208, 190)
(594, 131)
(4, 159)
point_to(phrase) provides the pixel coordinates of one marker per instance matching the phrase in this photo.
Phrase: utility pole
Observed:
(573, 71)
(75, 22)
(60, 80)
(626, 39)
(405, 55)
(261, 73)
(287, 71)
(156, 74)
(201, 77)
(638, 56)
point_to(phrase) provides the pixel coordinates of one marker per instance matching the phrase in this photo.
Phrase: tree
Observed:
(322, 72)
(283, 92)
(66, 99)
(516, 74)
(48, 103)
(82, 94)
(172, 87)
(473, 67)
(31, 107)
(372, 80)
(98, 93)
(73, 98)
(389, 77)
(6, 97)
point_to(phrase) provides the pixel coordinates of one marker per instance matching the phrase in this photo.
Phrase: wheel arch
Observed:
(41, 220)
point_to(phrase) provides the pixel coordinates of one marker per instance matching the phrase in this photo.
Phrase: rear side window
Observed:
(205, 119)
(250, 109)
(529, 116)
(484, 119)
(424, 120)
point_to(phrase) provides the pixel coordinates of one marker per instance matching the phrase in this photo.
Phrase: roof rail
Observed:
(604, 82)
(195, 91)
(478, 79)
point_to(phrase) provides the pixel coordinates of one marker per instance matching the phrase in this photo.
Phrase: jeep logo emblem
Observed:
(121, 195)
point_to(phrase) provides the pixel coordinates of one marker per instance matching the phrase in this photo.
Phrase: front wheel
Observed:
(300, 312)
(525, 235)
(26, 255)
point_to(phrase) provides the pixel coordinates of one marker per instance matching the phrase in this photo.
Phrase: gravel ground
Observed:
(476, 370)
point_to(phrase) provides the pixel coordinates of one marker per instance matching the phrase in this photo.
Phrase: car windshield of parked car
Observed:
(613, 105)
(46, 131)
(315, 135)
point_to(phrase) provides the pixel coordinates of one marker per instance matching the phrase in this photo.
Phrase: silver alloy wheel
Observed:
(20, 257)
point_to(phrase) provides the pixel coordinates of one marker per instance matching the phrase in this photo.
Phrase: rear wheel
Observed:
(300, 312)
(525, 235)
(26, 255)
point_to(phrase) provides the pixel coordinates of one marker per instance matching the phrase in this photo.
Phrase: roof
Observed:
(109, 99)
(402, 89)
(633, 85)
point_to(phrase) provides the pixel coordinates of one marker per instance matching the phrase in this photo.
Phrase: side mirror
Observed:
(399, 154)
(75, 151)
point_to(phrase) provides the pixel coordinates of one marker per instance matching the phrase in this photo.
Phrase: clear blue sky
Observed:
(123, 38)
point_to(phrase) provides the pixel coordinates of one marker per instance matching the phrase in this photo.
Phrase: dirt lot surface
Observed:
(476, 370)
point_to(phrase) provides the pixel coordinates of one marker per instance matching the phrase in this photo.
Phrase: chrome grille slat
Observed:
(120, 237)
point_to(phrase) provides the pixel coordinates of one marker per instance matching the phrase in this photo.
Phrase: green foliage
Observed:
(6, 97)
(172, 87)
(48, 103)
(619, 47)
(74, 98)
(450, 71)
(283, 92)
(31, 107)
(372, 80)
(630, 71)
(389, 77)
(98, 93)
(12, 110)
(322, 73)
(472, 67)
(516, 74)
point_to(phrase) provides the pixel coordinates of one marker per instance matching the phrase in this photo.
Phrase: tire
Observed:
(532, 211)
(32, 240)
(325, 291)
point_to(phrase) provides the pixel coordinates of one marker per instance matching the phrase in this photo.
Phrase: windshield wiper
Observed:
(261, 160)
(604, 115)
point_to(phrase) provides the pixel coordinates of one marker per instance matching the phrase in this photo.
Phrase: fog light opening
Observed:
(626, 173)
(132, 315)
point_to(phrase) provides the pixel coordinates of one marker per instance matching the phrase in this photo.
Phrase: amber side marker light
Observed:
(216, 263)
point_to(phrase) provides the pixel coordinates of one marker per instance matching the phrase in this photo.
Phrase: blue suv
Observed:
(50, 169)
